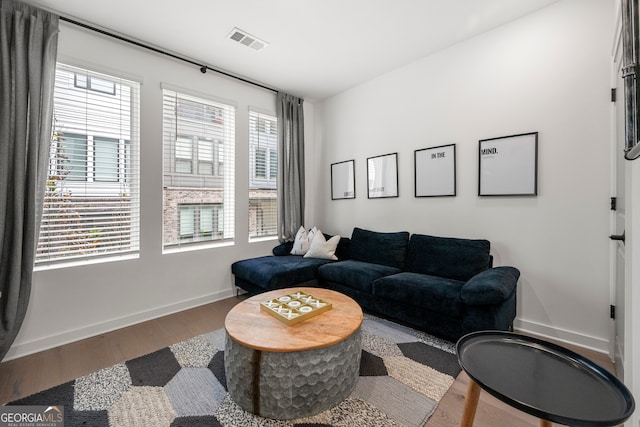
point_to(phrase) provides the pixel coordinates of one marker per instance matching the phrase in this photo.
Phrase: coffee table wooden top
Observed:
(248, 325)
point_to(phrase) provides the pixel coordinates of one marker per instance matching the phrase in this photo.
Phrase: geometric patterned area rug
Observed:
(403, 375)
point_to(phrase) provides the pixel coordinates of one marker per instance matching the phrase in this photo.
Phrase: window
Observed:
(205, 157)
(263, 167)
(260, 163)
(197, 155)
(91, 203)
(200, 222)
(72, 157)
(273, 164)
(184, 155)
(91, 158)
(198, 172)
(107, 159)
(97, 84)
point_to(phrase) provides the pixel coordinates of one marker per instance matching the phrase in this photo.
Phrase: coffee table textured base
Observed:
(289, 385)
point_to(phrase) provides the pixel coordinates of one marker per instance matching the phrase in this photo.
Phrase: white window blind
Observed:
(91, 203)
(198, 170)
(263, 167)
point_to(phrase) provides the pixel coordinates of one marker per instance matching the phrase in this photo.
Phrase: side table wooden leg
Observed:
(470, 404)
(545, 423)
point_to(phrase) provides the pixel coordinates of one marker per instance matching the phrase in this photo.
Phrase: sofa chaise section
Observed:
(281, 270)
(267, 273)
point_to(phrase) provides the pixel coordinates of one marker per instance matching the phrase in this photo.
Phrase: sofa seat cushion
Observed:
(354, 274)
(276, 272)
(449, 257)
(421, 290)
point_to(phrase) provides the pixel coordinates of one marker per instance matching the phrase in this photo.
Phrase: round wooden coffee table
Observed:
(285, 371)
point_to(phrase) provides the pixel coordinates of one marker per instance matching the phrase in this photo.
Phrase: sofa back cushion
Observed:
(388, 249)
(448, 257)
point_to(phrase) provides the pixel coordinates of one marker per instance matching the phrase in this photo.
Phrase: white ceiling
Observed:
(317, 48)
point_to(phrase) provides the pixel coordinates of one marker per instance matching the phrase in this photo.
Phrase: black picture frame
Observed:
(343, 180)
(508, 165)
(382, 176)
(435, 171)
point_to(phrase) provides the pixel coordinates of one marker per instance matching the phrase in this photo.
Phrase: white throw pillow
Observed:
(302, 241)
(322, 248)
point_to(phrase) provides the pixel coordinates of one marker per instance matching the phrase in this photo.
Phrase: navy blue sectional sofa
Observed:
(444, 286)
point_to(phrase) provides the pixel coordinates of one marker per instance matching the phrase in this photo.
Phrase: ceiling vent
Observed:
(247, 39)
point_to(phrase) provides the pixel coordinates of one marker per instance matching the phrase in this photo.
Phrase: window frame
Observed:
(96, 216)
(210, 175)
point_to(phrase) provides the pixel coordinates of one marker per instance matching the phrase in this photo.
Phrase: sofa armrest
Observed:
(491, 286)
(283, 249)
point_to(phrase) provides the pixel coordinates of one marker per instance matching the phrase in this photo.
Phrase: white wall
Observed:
(72, 303)
(547, 72)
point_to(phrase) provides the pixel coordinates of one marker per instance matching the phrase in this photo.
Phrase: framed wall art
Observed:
(343, 180)
(435, 171)
(382, 176)
(508, 166)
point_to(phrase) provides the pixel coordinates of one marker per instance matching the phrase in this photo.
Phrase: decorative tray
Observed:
(295, 307)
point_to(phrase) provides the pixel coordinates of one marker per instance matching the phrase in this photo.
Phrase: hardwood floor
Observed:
(30, 374)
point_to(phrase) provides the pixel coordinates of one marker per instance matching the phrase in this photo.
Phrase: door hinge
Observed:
(612, 311)
(614, 203)
(613, 94)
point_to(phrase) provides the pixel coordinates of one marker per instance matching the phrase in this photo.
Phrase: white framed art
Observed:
(435, 171)
(343, 180)
(382, 176)
(508, 165)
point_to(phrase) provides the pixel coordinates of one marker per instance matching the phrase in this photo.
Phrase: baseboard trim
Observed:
(563, 335)
(66, 337)
(35, 346)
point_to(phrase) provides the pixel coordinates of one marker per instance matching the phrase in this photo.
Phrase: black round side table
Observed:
(542, 379)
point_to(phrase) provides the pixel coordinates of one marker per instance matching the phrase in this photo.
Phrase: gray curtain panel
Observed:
(28, 49)
(290, 166)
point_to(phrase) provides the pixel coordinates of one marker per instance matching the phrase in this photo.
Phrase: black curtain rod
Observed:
(203, 68)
